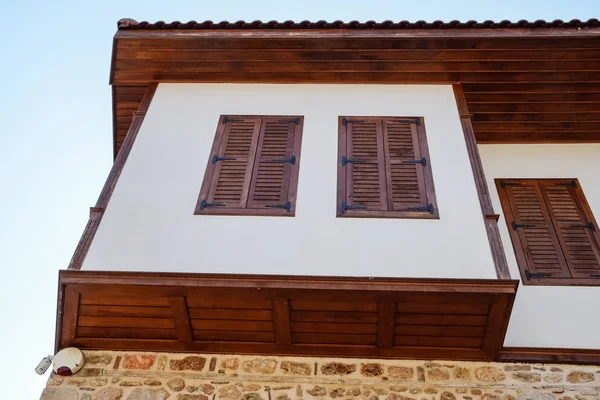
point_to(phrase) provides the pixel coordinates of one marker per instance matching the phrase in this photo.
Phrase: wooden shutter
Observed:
(233, 163)
(552, 230)
(275, 162)
(384, 169)
(253, 167)
(574, 229)
(532, 232)
(365, 179)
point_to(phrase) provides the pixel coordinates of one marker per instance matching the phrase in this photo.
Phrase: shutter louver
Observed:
(365, 166)
(574, 230)
(405, 180)
(273, 165)
(532, 225)
(233, 164)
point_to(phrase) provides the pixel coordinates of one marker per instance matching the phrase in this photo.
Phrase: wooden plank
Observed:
(443, 308)
(101, 299)
(312, 305)
(126, 322)
(385, 323)
(437, 341)
(439, 330)
(497, 325)
(334, 316)
(124, 311)
(131, 333)
(435, 319)
(224, 325)
(70, 316)
(281, 320)
(234, 336)
(330, 327)
(230, 302)
(333, 338)
(549, 355)
(181, 318)
(231, 313)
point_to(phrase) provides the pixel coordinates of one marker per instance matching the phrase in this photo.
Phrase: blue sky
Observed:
(56, 147)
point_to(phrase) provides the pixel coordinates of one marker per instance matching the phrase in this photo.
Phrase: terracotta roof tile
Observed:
(128, 23)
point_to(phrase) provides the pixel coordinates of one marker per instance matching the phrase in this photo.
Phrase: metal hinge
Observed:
(217, 158)
(348, 121)
(504, 184)
(422, 161)
(589, 226)
(428, 208)
(572, 183)
(226, 120)
(348, 161)
(287, 206)
(204, 204)
(291, 160)
(295, 120)
(595, 276)
(418, 121)
(516, 226)
(347, 207)
(530, 275)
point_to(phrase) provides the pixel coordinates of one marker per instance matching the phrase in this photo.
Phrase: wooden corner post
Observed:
(489, 216)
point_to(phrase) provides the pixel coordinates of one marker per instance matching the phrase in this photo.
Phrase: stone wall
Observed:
(160, 376)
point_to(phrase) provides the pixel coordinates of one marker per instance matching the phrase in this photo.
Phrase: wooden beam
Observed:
(98, 211)
(485, 201)
(386, 322)
(181, 318)
(282, 321)
(549, 355)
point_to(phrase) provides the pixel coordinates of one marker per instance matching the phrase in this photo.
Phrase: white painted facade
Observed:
(150, 225)
(548, 316)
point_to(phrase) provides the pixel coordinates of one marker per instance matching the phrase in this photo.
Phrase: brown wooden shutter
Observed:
(276, 164)
(233, 163)
(574, 229)
(532, 231)
(404, 164)
(384, 169)
(364, 162)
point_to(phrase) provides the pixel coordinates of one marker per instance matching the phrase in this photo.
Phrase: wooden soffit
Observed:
(529, 82)
(253, 314)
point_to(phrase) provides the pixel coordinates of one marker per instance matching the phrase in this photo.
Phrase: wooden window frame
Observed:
(518, 246)
(427, 174)
(244, 211)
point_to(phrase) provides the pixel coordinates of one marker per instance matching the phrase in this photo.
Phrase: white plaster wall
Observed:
(150, 224)
(548, 316)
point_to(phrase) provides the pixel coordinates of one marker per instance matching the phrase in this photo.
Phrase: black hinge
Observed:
(504, 184)
(295, 120)
(572, 183)
(226, 120)
(348, 161)
(589, 226)
(349, 121)
(204, 204)
(347, 207)
(422, 161)
(287, 206)
(217, 158)
(530, 275)
(595, 276)
(291, 160)
(418, 121)
(516, 226)
(428, 207)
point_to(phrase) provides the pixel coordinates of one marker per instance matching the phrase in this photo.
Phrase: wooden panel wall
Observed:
(404, 318)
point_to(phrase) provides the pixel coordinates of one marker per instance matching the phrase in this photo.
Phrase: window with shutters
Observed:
(253, 167)
(553, 231)
(384, 170)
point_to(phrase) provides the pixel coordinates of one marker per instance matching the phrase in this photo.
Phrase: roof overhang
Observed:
(524, 82)
(461, 319)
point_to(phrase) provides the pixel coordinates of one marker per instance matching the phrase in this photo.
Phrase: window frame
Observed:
(245, 211)
(427, 173)
(518, 246)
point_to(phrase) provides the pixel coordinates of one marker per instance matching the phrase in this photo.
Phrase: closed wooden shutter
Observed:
(574, 229)
(384, 169)
(552, 233)
(253, 167)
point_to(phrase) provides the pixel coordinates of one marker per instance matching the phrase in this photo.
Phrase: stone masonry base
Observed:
(160, 376)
